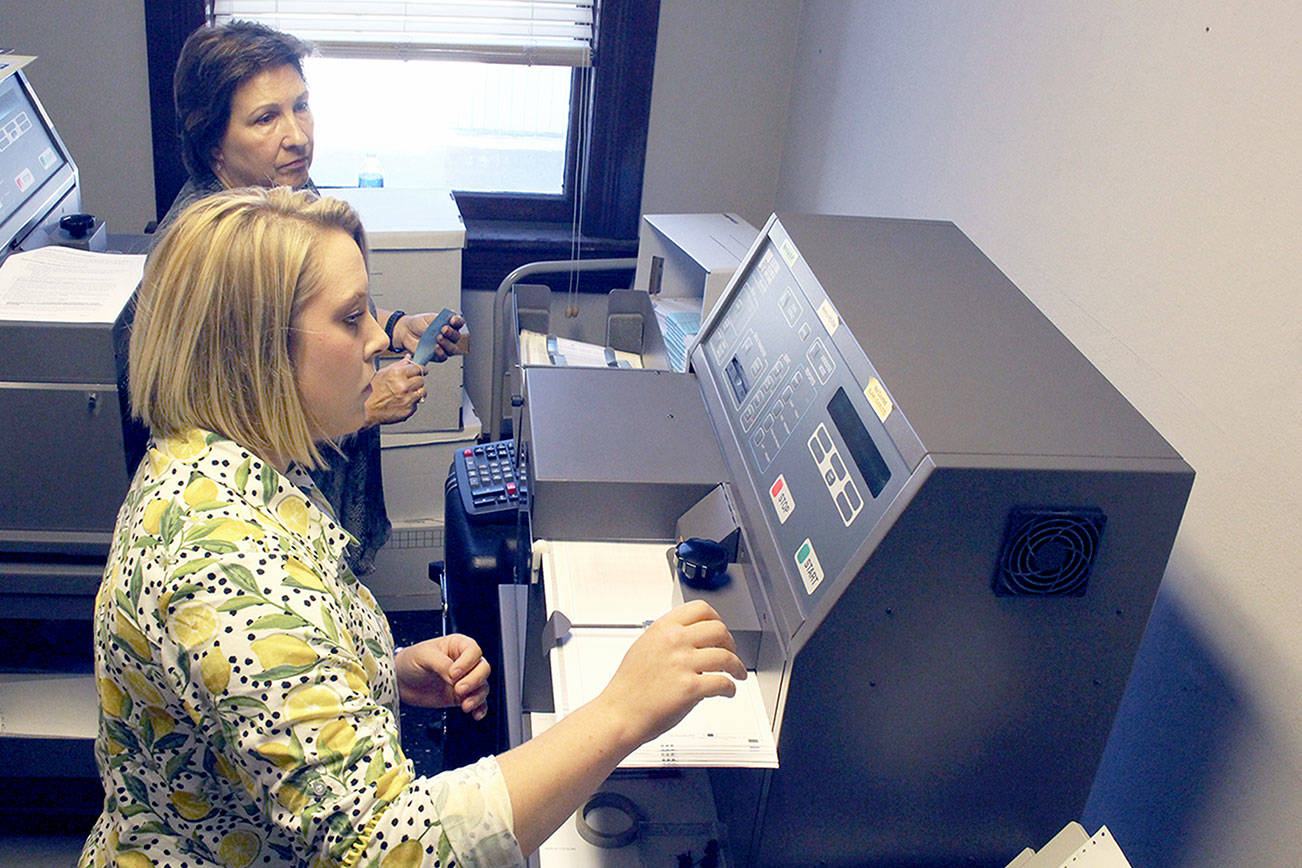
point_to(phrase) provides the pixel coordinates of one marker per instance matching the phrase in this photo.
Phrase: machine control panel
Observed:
(798, 393)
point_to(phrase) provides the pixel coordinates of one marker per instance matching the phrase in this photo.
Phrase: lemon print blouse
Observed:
(247, 690)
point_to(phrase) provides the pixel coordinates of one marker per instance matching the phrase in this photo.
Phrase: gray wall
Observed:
(1134, 169)
(718, 106)
(91, 75)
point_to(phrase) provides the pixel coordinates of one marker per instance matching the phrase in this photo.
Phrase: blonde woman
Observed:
(247, 680)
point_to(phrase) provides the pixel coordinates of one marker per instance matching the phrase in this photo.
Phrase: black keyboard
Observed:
(486, 477)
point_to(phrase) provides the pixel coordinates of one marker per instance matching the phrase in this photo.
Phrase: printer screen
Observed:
(30, 156)
(867, 457)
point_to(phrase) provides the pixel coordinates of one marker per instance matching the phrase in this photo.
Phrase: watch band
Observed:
(390, 325)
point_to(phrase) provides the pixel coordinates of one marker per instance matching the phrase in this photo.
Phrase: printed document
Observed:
(64, 284)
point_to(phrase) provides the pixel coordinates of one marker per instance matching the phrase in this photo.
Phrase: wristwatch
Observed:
(390, 325)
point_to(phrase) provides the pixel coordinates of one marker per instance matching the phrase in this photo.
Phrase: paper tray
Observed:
(599, 596)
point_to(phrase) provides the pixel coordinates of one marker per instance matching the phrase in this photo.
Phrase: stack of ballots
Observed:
(537, 348)
(680, 320)
(605, 594)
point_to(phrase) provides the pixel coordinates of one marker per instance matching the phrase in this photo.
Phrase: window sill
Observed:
(495, 248)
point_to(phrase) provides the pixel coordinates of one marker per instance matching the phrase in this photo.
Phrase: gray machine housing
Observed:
(952, 529)
(61, 444)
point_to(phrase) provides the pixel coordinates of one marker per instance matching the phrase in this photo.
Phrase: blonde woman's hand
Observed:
(443, 672)
(679, 660)
(682, 658)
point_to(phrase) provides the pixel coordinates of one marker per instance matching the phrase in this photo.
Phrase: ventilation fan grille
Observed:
(1048, 552)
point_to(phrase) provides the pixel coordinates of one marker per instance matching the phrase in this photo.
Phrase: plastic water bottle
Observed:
(370, 174)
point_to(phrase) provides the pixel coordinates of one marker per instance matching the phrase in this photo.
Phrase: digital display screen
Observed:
(737, 379)
(867, 457)
(28, 154)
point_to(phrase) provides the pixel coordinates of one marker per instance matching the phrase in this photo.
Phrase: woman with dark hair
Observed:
(215, 64)
(245, 121)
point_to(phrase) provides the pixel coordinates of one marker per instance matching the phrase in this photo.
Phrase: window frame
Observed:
(533, 225)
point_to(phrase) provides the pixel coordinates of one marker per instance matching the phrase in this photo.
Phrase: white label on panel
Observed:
(783, 504)
(831, 319)
(789, 252)
(811, 571)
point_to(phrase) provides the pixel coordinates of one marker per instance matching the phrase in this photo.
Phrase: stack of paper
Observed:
(608, 584)
(540, 349)
(609, 592)
(63, 284)
(680, 320)
(1073, 847)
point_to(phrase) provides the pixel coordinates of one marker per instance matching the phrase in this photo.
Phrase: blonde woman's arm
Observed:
(676, 663)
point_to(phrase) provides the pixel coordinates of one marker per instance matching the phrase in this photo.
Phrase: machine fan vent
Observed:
(1048, 552)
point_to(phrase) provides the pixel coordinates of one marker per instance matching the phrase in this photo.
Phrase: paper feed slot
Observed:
(599, 597)
(629, 585)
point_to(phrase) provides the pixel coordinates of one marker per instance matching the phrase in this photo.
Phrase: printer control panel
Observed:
(805, 417)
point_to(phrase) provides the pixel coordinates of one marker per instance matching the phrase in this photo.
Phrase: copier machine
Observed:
(946, 528)
(58, 394)
(63, 480)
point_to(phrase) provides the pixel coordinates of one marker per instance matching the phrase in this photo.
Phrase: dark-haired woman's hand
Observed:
(396, 391)
(454, 341)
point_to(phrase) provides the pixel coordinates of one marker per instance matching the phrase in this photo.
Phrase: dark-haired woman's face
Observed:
(268, 139)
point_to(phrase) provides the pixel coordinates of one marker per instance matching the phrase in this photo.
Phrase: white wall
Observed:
(92, 77)
(718, 100)
(1134, 169)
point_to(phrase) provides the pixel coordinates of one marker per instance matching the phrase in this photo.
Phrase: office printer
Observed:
(62, 468)
(61, 442)
(948, 530)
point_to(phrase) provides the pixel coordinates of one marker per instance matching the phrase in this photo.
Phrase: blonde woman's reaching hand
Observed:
(679, 660)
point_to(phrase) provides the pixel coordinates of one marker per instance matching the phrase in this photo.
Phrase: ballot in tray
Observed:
(606, 593)
(537, 348)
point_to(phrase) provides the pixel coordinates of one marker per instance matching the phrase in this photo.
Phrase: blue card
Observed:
(429, 341)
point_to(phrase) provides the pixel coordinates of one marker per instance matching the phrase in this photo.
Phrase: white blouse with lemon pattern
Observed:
(247, 690)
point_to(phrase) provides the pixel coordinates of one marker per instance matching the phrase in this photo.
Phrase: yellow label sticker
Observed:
(789, 252)
(831, 319)
(875, 392)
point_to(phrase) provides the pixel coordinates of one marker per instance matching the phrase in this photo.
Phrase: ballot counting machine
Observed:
(946, 531)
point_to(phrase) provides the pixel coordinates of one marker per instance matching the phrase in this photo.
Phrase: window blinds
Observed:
(542, 32)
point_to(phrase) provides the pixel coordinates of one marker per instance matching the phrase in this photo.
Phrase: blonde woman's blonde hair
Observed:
(212, 345)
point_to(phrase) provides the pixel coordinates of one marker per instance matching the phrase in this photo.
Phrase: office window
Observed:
(462, 125)
(553, 140)
(439, 93)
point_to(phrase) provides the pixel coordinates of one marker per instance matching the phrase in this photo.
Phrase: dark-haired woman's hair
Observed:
(214, 62)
